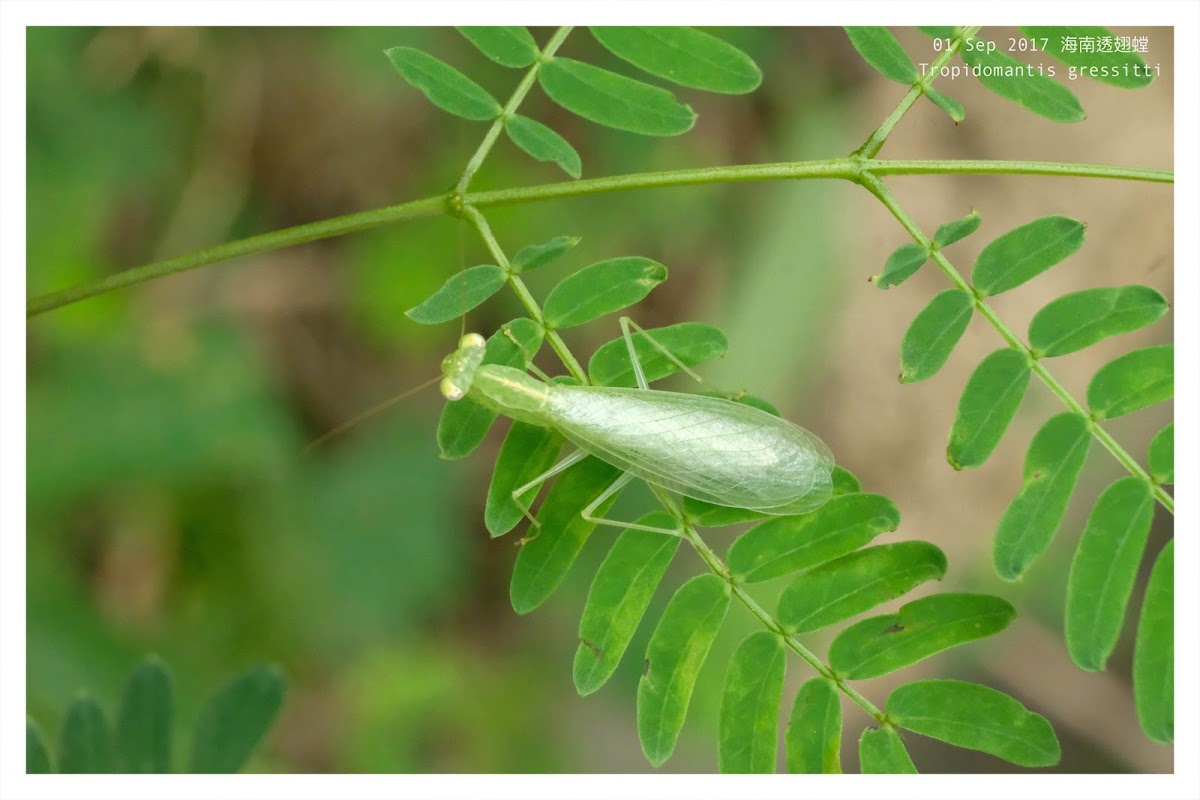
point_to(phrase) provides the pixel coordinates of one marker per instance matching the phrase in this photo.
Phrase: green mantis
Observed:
(707, 448)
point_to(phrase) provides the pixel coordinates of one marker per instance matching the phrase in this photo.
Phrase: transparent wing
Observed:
(708, 448)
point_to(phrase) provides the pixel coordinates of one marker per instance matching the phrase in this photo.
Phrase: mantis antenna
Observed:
(370, 412)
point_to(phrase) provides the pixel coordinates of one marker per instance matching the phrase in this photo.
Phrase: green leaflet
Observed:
(683, 55)
(788, 544)
(1014, 80)
(144, 723)
(948, 104)
(1161, 456)
(879, 48)
(883, 644)
(853, 584)
(933, 333)
(86, 745)
(987, 406)
(844, 481)
(550, 550)
(236, 718)
(37, 756)
(613, 100)
(1125, 69)
(543, 143)
(1133, 381)
(532, 256)
(527, 452)
(976, 717)
(938, 31)
(1052, 466)
(880, 752)
(749, 726)
(710, 515)
(902, 264)
(601, 288)
(1080, 319)
(1026, 252)
(446, 87)
(464, 422)
(458, 295)
(691, 342)
(1104, 569)
(619, 597)
(1154, 651)
(814, 733)
(957, 230)
(508, 46)
(677, 650)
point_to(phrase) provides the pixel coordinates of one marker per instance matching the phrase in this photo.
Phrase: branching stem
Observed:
(885, 196)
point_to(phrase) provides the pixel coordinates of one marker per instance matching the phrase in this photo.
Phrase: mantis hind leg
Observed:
(616, 486)
(568, 461)
(638, 374)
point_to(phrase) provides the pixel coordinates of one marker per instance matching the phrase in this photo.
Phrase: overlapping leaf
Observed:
(1052, 466)
(883, 644)
(814, 733)
(976, 717)
(690, 342)
(987, 406)
(749, 730)
(684, 56)
(235, 719)
(527, 452)
(676, 652)
(1154, 652)
(601, 288)
(784, 545)
(1017, 81)
(1104, 569)
(618, 598)
(933, 333)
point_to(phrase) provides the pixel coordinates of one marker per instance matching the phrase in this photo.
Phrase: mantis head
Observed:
(459, 367)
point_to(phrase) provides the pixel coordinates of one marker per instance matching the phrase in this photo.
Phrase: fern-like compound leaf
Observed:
(143, 740)
(881, 752)
(1080, 319)
(458, 295)
(543, 143)
(1132, 382)
(987, 406)
(507, 45)
(86, 746)
(1025, 252)
(933, 333)
(527, 452)
(237, 717)
(879, 48)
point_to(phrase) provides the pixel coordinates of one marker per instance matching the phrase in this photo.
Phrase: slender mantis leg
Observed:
(578, 455)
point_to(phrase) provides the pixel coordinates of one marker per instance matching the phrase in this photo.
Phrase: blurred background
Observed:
(170, 509)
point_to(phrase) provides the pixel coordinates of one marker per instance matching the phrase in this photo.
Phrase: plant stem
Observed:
(718, 567)
(885, 196)
(876, 140)
(510, 108)
(851, 169)
(518, 286)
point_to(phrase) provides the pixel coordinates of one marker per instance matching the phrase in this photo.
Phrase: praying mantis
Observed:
(707, 448)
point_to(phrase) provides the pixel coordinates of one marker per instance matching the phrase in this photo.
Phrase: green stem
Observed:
(535, 311)
(510, 108)
(876, 140)
(721, 569)
(852, 169)
(885, 196)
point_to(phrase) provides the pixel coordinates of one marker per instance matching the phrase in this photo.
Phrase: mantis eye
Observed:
(450, 390)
